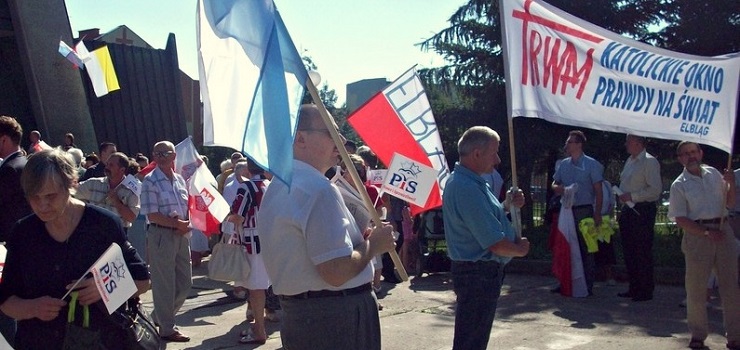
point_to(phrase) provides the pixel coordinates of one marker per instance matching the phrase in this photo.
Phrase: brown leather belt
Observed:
(329, 293)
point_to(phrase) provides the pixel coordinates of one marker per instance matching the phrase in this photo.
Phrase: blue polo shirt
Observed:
(585, 172)
(474, 219)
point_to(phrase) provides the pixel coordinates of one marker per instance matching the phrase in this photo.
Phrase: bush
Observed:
(666, 246)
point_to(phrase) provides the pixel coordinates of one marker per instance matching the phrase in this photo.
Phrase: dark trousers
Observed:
(589, 266)
(638, 232)
(8, 327)
(388, 270)
(477, 286)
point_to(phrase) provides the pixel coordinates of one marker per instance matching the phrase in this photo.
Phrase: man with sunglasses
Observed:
(164, 201)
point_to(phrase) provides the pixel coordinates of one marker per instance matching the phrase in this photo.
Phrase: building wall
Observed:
(55, 90)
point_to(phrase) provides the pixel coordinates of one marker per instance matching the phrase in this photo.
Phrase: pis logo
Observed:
(403, 178)
(111, 273)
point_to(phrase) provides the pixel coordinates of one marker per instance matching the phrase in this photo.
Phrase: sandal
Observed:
(696, 344)
(249, 339)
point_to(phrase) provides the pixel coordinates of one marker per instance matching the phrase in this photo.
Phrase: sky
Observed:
(348, 40)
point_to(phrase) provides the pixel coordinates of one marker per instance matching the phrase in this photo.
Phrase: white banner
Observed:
(568, 71)
(112, 278)
(409, 180)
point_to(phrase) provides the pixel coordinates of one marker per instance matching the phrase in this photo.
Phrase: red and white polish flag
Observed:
(399, 119)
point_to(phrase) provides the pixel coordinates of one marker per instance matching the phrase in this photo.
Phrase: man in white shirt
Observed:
(697, 207)
(315, 255)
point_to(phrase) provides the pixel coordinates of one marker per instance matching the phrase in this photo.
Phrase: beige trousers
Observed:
(702, 256)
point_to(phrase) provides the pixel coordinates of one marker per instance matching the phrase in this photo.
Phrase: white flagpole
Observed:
(516, 214)
(352, 171)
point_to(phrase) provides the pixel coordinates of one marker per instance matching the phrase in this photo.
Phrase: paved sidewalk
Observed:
(420, 315)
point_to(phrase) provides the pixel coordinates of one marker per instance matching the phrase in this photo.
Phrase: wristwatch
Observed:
(706, 233)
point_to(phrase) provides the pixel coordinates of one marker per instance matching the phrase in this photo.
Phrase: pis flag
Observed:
(207, 208)
(132, 183)
(409, 180)
(112, 278)
(568, 71)
(399, 119)
(252, 81)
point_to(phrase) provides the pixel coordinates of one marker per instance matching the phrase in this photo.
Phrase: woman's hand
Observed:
(46, 308)
(88, 292)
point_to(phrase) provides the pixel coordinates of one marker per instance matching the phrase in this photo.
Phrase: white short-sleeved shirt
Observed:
(302, 226)
(697, 197)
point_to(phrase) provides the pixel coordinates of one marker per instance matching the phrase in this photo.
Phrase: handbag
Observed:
(140, 331)
(228, 261)
(76, 337)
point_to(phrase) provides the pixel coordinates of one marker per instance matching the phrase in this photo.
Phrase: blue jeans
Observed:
(477, 285)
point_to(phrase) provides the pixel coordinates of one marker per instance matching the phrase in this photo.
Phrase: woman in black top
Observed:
(51, 248)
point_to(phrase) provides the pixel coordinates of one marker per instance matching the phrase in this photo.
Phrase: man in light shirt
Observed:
(315, 254)
(109, 193)
(641, 186)
(698, 208)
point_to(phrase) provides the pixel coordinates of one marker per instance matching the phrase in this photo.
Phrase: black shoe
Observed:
(642, 298)
(392, 279)
(625, 295)
(555, 290)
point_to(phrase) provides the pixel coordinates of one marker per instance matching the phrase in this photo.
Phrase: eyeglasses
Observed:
(325, 131)
(164, 154)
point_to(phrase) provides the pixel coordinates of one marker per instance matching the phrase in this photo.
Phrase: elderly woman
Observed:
(53, 247)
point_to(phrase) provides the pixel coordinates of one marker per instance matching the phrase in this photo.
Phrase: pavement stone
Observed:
(419, 314)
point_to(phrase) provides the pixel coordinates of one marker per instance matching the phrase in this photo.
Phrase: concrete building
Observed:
(360, 91)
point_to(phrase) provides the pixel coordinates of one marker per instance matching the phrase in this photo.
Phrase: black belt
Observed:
(164, 227)
(330, 293)
(709, 221)
(582, 206)
(645, 204)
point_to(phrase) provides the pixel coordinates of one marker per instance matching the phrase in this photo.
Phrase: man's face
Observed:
(105, 154)
(164, 155)
(572, 145)
(113, 170)
(321, 146)
(33, 137)
(488, 157)
(690, 155)
(632, 145)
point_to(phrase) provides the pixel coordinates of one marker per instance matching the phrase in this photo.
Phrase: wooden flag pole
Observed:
(328, 120)
(516, 213)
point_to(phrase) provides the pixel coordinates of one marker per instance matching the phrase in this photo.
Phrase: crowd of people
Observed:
(313, 247)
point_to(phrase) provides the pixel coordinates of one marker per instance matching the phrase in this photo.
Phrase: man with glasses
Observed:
(698, 204)
(164, 201)
(314, 252)
(585, 175)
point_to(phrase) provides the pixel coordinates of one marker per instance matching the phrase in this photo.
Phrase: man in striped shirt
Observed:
(164, 201)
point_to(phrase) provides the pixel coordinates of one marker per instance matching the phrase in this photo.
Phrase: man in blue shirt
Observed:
(588, 174)
(480, 238)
